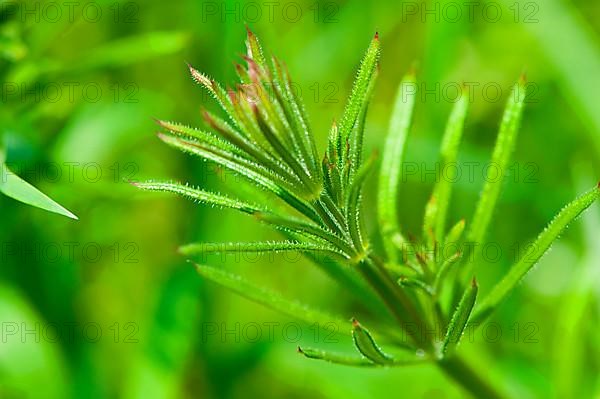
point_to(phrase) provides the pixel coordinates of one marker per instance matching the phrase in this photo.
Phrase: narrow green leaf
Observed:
(366, 345)
(353, 207)
(391, 164)
(268, 298)
(454, 234)
(254, 151)
(305, 229)
(539, 247)
(205, 248)
(254, 49)
(216, 91)
(358, 133)
(13, 186)
(503, 149)
(207, 137)
(346, 360)
(358, 97)
(449, 152)
(415, 283)
(443, 271)
(336, 358)
(460, 318)
(297, 114)
(201, 196)
(253, 172)
(429, 220)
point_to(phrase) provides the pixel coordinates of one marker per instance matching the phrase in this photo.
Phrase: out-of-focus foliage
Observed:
(134, 318)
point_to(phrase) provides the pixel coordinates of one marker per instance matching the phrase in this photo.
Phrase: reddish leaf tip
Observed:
(376, 36)
(474, 283)
(523, 78)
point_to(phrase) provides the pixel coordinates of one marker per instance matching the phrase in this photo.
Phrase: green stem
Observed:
(399, 304)
(472, 382)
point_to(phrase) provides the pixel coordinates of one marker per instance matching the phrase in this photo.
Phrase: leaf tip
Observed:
(376, 36)
(523, 78)
(71, 215)
(474, 283)
(412, 71)
(249, 31)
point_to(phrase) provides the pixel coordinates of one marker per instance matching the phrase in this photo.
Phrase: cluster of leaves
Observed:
(267, 139)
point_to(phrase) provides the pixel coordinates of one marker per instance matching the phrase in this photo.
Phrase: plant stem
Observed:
(399, 304)
(472, 382)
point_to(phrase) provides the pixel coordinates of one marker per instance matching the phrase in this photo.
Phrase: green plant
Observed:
(13, 186)
(267, 139)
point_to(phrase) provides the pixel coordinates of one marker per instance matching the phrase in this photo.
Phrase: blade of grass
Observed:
(353, 203)
(14, 187)
(201, 196)
(358, 98)
(449, 152)
(253, 172)
(391, 164)
(253, 247)
(543, 242)
(503, 149)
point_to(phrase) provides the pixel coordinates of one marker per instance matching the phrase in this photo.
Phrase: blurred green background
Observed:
(105, 307)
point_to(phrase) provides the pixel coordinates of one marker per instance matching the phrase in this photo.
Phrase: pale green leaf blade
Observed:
(336, 358)
(459, 319)
(13, 186)
(201, 196)
(391, 164)
(364, 342)
(503, 149)
(359, 95)
(449, 153)
(205, 248)
(542, 243)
